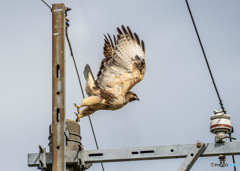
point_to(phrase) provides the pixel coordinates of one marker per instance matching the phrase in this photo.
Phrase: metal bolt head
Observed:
(199, 145)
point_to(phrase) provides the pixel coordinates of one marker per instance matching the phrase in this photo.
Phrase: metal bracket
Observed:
(192, 156)
(42, 158)
(81, 159)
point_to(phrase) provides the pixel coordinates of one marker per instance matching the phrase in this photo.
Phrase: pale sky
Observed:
(177, 97)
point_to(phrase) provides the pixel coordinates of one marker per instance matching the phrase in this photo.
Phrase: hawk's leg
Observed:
(78, 107)
(88, 101)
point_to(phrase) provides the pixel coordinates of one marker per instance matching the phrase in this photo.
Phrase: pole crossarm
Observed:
(140, 153)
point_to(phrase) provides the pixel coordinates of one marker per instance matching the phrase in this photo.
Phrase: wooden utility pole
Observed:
(58, 89)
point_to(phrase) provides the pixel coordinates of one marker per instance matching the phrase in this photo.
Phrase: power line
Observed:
(215, 86)
(46, 4)
(210, 72)
(70, 47)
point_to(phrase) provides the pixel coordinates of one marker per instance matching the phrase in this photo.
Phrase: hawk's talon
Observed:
(78, 117)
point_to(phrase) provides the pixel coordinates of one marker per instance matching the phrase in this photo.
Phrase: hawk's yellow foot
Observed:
(78, 107)
(78, 117)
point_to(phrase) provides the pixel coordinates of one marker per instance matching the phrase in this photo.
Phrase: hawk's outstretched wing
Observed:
(124, 64)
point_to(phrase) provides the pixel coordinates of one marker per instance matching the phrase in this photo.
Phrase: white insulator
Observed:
(220, 123)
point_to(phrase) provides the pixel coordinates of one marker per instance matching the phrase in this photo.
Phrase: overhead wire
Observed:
(47, 4)
(70, 47)
(89, 116)
(209, 69)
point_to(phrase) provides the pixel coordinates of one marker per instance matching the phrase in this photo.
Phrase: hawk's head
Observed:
(131, 96)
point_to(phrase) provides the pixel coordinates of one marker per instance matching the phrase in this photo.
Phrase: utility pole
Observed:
(58, 88)
(64, 135)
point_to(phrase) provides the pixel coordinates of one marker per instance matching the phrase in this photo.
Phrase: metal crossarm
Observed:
(140, 153)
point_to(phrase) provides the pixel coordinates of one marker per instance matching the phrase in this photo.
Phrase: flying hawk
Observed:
(121, 69)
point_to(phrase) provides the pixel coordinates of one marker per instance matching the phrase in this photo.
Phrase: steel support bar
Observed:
(192, 156)
(58, 87)
(141, 153)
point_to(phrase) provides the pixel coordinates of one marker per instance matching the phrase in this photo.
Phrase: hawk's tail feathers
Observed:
(88, 73)
(90, 81)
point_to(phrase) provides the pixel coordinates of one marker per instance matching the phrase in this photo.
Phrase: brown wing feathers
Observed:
(137, 39)
(119, 31)
(107, 51)
(109, 45)
(111, 41)
(129, 35)
(143, 46)
(115, 42)
(130, 32)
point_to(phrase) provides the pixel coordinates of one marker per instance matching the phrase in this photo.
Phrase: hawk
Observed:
(121, 69)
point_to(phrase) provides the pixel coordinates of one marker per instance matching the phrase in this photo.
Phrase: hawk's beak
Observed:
(138, 99)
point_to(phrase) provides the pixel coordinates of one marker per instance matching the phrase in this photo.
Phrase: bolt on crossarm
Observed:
(58, 88)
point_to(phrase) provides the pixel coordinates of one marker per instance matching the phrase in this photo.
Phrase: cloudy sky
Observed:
(177, 95)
